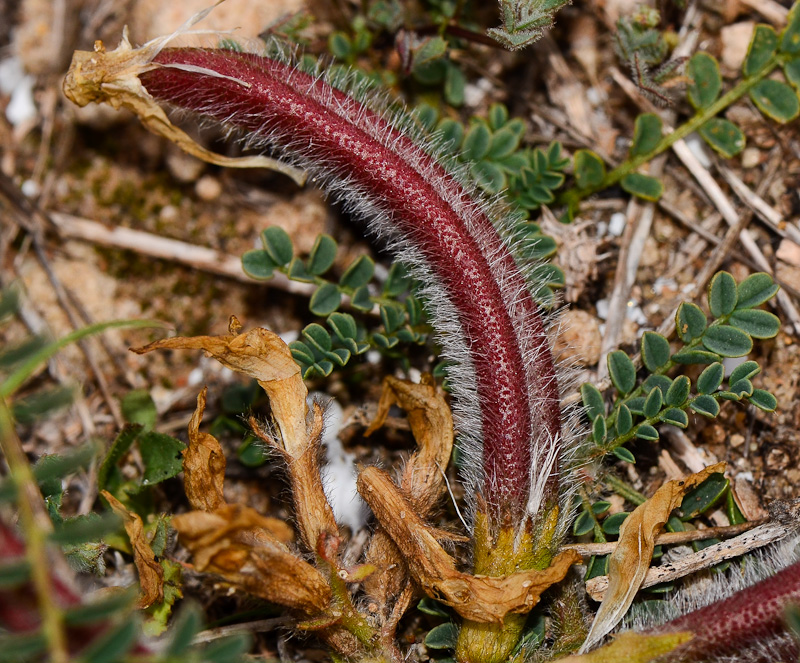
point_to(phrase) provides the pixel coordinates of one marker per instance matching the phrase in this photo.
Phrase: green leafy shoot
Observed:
(641, 404)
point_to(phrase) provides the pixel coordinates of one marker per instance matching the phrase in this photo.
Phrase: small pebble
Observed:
(616, 224)
(169, 214)
(751, 157)
(208, 188)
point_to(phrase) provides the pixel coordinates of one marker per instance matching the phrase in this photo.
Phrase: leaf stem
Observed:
(575, 195)
(35, 524)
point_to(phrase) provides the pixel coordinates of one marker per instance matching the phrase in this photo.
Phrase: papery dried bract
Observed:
(630, 560)
(245, 549)
(262, 355)
(151, 574)
(422, 482)
(482, 599)
(432, 427)
(113, 77)
(203, 464)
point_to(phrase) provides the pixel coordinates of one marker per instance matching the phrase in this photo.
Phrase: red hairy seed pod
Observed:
(434, 221)
(743, 619)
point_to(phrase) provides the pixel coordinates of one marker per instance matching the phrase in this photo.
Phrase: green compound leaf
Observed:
(301, 353)
(695, 357)
(705, 81)
(711, 378)
(623, 454)
(82, 529)
(498, 116)
(397, 281)
(599, 429)
(722, 294)
(600, 507)
(322, 255)
(434, 608)
(757, 323)
(413, 310)
(636, 405)
(454, 84)
(358, 274)
(317, 338)
(504, 142)
(643, 186)
(612, 524)
(323, 367)
(744, 371)
(742, 388)
(792, 72)
(488, 176)
(589, 169)
(118, 449)
(679, 391)
(776, 100)
(662, 382)
(676, 417)
(161, 455)
(258, 265)
(231, 649)
(339, 45)
(755, 290)
(343, 325)
(763, 400)
(690, 322)
(646, 134)
(138, 408)
(624, 420)
(443, 636)
(297, 271)
(361, 299)
(646, 432)
(392, 317)
(723, 136)
(451, 133)
(278, 245)
(476, 143)
(655, 351)
(592, 401)
(114, 643)
(727, 341)
(790, 37)
(583, 524)
(14, 574)
(325, 300)
(653, 403)
(702, 498)
(705, 405)
(185, 627)
(385, 342)
(762, 47)
(622, 372)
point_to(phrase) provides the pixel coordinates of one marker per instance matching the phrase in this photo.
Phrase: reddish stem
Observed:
(428, 208)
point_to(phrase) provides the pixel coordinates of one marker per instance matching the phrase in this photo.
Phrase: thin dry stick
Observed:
(754, 539)
(769, 9)
(723, 250)
(723, 204)
(755, 201)
(669, 538)
(198, 257)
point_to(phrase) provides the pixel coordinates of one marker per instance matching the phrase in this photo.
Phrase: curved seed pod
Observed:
(507, 399)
